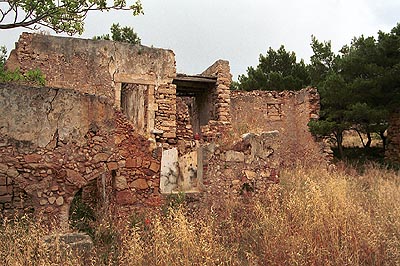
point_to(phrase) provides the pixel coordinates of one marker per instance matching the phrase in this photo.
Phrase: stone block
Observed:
(100, 157)
(3, 168)
(32, 158)
(155, 167)
(120, 183)
(52, 200)
(5, 198)
(12, 172)
(4, 190)
(125, 197)
(234, 156)
(139, 184)
(251, 175)
(75, 178)
(131, 163)
(235, 182)
(59, 201)
(3, 180)
(112, 166)
(169, 135)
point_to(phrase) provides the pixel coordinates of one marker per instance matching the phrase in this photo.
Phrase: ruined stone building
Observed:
(119, 125)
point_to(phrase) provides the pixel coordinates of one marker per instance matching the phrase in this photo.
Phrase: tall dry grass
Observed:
(22, 242)
(312, 217)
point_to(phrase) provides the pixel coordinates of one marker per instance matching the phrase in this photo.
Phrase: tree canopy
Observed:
(120, 34)
(359, 88)
(277, 70)
(62, 16)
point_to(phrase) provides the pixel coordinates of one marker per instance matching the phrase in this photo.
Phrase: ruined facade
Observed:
(286, 112)
(119, 123)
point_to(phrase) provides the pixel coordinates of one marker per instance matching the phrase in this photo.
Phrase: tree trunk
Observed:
(339, 140)
(361, 138)
(384, 139)
(368, 144)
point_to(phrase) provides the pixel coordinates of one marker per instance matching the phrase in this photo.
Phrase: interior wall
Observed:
(133, 104)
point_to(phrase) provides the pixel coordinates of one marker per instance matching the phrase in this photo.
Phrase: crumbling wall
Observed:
(288, 113)
(248, 167)
(55, 141)
(103, 68)
(392, 152)
(220, 99)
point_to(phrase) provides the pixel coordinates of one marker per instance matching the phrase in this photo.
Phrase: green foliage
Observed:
(359, 88)
(277, 70)
(62, 16)
(3, 56)
(322, 61)
(81, 215)
(121, 34)
(31, 77)
(174, 202)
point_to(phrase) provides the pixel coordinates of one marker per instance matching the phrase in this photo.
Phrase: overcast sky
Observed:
(201, 32)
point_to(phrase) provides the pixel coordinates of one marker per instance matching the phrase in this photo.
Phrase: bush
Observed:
(32, 77)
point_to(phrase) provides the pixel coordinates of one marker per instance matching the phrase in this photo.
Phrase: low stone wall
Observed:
(287, 112)
(55, 141)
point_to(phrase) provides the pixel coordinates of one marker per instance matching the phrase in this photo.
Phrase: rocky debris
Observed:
(80, 244)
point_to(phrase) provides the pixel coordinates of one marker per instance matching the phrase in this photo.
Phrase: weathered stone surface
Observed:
(3, 168)
(154, 166)
(70, 116)
(100, 157)
(125, 197)
(5, 190)
(139, 184)
(235, 182)
(169, 170)
(169, 135)
(52, 200)
(3, 180)
(32, 158)
(75, 178)
(251, 175)
(79, 243)
(5, 198)
(131, 163)
(112, 166)
(12, 172)
(234, 156)
(121, 183)
(59, 201)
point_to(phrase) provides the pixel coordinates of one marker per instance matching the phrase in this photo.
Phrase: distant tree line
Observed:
(359, 86)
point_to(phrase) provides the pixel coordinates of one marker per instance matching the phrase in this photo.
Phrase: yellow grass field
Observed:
(312, 217)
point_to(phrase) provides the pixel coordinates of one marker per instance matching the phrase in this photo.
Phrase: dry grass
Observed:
(312, 217)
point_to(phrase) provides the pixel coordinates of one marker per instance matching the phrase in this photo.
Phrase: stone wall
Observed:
(220, 99)
(286, 112)
(392, 152)
(55, 141)
(102, 68)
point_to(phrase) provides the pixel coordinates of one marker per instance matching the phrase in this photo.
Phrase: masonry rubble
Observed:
(119, 123)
